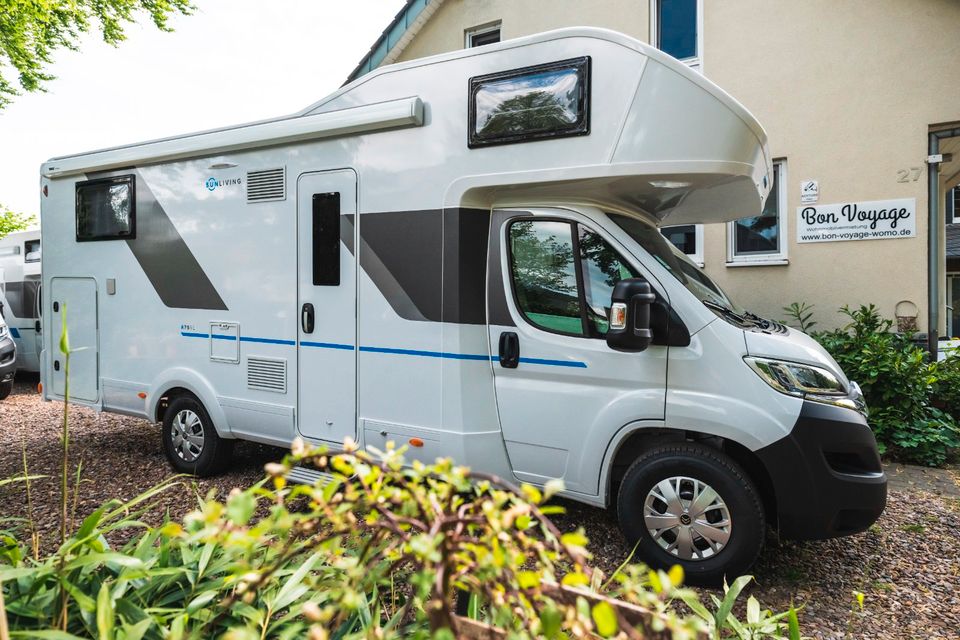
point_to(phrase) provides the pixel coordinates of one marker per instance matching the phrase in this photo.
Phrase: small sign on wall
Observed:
(809, 191)
(872, 220)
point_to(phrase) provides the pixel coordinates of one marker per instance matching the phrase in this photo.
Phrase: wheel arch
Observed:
(631, 442)
(181, 381)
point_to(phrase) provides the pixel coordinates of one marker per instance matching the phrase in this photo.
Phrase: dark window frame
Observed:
(325, 266)
(581, 127)
(587, 330)
(26, 252)
(131, 181)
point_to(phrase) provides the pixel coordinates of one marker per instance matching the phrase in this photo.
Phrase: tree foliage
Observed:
(32, 30)
(11, 221)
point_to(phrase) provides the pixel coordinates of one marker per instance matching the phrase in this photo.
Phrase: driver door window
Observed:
(554, 290)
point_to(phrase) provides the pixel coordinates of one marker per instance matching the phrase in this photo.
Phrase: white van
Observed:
(20, 294)
(460, 254)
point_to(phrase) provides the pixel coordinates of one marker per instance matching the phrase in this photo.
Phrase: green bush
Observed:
(380, 551)
(914, 404)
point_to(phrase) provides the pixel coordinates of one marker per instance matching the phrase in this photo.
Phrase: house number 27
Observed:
(909, 175)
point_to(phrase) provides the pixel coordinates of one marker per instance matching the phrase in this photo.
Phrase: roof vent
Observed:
(267, 185)
(267, 374)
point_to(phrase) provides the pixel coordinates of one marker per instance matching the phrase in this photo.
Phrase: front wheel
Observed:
(190, 441)
(5, 389)
(692, 505)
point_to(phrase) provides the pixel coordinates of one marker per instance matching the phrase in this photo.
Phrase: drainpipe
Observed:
(933, 244)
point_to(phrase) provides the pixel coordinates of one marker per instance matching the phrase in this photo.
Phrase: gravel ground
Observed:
(907, 565)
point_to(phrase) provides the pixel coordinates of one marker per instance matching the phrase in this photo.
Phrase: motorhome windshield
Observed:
(676, 262)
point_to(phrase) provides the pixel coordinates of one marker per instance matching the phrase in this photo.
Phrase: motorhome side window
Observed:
(546, 101)
(31, 251)
(326, 239)
(563, 276)
(106, 209)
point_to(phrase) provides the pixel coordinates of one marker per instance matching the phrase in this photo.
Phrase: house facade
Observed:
(861, 102)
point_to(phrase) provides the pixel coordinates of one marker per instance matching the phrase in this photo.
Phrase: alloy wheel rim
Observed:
(186, 431)
(687, 518)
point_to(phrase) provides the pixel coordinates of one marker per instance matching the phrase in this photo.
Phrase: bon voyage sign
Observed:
(874, 220)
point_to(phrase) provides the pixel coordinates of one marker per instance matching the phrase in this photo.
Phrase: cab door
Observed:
(561, 391)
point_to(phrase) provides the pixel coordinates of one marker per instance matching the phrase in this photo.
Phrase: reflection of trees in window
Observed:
(543, 269)
(597, 254)
(120, 205)
(534, 111)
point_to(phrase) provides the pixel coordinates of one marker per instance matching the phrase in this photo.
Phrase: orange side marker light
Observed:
(416, 442)
(142, 395)
(39, 387)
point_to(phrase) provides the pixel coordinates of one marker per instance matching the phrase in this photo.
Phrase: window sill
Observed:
(770, 262)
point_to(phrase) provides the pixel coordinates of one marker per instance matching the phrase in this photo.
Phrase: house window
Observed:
(952, 206)
(762, 239)
(676, 28)
(479, 36)
(688, 238)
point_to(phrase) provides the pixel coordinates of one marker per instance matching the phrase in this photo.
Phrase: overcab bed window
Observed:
(545, 101)
(106, 209)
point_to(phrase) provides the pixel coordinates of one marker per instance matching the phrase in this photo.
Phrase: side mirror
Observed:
(630, 315)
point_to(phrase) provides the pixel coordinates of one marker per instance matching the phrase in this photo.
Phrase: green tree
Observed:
(32, 30)
(11, 221)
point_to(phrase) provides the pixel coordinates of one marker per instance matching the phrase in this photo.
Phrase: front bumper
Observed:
(8, 359)
(826, 474)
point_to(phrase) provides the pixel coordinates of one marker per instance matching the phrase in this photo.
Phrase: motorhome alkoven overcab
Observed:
(461, 252)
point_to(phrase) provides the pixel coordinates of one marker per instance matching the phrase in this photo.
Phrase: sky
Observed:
(232, 61)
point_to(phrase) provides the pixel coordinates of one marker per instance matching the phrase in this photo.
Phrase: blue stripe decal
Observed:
(576, 364)
(14, 332)
(426, 354)
(553, 363)
(267, 340)
(328, 345)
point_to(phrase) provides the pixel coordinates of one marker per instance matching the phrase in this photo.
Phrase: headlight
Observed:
(3, 332)
(803, 381)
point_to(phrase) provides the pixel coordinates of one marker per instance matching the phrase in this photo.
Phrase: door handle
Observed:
(509, 350)
(306, 317)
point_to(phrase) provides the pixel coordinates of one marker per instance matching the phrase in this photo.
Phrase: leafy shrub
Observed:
(900, 387)
(381, 550)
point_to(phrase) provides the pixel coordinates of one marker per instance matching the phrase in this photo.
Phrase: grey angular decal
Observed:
(163, 255)
(429, 265)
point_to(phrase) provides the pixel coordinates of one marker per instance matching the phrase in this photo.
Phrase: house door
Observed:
(327, 296)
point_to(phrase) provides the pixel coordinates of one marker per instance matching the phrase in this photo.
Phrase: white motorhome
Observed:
(461, 254)
(19, 294)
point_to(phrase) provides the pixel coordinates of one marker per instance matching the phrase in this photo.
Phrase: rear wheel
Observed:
(5, 388)
(691, 505)
(190, 441)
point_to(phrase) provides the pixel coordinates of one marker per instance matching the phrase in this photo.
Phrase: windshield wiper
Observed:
(762, 322)
(727, 311)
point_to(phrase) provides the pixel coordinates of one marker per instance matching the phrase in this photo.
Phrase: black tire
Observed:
(5, 389)
(214, 453)
(747, 526)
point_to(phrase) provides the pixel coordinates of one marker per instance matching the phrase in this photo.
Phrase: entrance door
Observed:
(568, 391)
(327, 296)
(75, 299)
